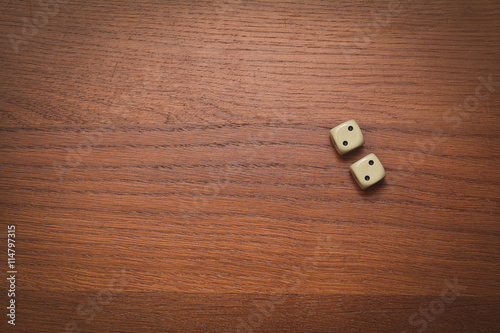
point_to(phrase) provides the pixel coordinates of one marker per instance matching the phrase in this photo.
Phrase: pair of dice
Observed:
(347, 137)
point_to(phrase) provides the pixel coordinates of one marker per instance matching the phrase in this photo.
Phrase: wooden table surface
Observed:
(167, 166)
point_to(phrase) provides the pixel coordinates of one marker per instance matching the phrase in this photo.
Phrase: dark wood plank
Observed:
(168, 167)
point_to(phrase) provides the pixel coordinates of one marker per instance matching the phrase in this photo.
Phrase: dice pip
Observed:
(368, 171)
(347, 137)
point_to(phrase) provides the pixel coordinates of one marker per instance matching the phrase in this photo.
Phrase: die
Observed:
(368, 171)
(346, 137)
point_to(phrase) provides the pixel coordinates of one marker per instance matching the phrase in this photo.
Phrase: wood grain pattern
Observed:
(168, 168)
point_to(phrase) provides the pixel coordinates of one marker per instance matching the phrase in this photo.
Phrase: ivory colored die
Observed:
(347, 137)
(368, 171)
